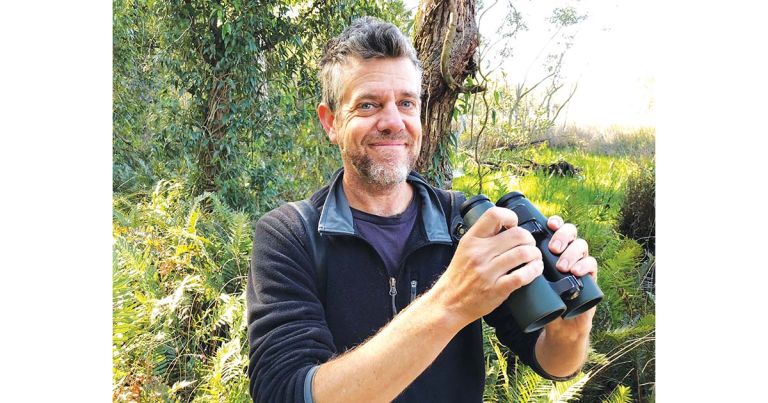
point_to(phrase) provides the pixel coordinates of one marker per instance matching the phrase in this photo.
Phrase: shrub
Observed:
(638, 213)
(179, 273)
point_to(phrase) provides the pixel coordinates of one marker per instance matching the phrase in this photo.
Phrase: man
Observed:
(397, 317)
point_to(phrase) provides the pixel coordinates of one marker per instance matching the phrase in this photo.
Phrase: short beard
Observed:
(380, 175)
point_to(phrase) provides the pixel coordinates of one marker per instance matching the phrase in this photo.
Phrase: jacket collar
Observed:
(336, 216)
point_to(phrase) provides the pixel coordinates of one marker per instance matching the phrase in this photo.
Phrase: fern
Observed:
(226, 380)
(174, 261)
(618, 278)
(230, 313)
(529, 385)
(568, 390)
(621, 394)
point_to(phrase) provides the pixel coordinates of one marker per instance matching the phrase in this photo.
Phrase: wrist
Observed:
(445, 315)
(565, 335)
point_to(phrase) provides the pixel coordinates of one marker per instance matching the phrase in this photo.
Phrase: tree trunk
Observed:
(212, 155)
(433, 26)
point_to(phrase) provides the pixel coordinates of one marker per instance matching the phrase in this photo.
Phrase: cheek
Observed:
(355, 130)
(414, 127)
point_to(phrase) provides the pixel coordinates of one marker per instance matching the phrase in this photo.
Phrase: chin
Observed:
(385, 172)
(387, 175)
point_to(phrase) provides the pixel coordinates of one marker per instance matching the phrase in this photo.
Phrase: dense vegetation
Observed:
(623, 334)
(214, 125)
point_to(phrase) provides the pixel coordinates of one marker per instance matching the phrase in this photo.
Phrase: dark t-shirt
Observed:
(387, 235)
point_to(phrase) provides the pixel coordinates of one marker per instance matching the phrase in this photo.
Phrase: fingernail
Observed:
(557, 245)
(562, 264)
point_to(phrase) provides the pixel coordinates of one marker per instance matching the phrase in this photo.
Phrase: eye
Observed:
(408, 104)
(366, 106)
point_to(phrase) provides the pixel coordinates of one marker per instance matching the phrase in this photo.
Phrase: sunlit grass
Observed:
(592, 201)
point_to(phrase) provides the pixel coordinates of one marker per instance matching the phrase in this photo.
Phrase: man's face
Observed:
(377, 124)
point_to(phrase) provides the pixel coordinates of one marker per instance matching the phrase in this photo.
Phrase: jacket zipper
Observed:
(392, 293)
(392, 281)
(382, 270)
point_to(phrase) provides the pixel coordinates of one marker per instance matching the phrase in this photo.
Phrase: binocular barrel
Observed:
(553, 293)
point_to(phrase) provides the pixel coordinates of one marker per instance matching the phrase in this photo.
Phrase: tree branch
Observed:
(560, 108)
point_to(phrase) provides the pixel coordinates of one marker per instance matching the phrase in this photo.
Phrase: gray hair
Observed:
(366, 38)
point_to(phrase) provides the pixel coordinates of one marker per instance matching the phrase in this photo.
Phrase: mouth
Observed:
(387, 144)
(390, 142)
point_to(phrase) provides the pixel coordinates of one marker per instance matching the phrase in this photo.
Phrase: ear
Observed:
(327, 118)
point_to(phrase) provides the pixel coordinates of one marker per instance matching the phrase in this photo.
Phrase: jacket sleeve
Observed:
(287, 331)
(522, 344)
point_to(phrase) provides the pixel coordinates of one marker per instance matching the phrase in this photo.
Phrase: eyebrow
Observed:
(410, 94)
(373, 95)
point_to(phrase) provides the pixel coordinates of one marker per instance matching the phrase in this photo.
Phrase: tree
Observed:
(446, 37)
(222, 94)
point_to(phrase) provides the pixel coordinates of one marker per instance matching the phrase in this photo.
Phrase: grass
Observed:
(624, 323)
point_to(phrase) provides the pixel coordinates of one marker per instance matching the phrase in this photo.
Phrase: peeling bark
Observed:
(433, 34)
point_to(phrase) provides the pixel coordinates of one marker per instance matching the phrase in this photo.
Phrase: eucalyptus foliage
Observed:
(222, 94)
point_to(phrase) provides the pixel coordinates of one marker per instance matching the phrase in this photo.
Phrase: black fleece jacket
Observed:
(291, 331)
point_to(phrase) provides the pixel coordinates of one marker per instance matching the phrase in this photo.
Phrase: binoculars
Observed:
(551, 294)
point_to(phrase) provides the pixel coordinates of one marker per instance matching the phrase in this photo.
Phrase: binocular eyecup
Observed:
(551, 295)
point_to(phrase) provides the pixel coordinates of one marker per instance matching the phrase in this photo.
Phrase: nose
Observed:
(390, 120)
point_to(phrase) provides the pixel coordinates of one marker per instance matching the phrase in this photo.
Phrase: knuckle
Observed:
(475, 259)
(496, 213)
(521, 236)
(500, 213)
(528, 237)
(535, 252)
(530, 272)
(516, 281)
(528, 253)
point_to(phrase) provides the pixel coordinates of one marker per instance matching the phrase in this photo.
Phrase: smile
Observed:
(388, 144)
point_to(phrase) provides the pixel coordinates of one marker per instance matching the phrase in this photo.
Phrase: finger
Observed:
(509, 239)
(515, 257)
(520, 277)
(492, 221)
(555, 222)
(577, 250)
(588, 265)
(562, 238)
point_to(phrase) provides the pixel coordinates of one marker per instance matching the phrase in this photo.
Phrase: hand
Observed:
(575, 259)
(574, 251)
(479, 279)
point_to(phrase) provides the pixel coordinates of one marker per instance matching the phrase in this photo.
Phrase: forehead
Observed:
(380, 77)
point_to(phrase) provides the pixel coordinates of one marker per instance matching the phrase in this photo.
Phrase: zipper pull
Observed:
(392, 293)
(413, 289)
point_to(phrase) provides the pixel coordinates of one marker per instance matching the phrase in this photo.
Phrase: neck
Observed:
(374, 199)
